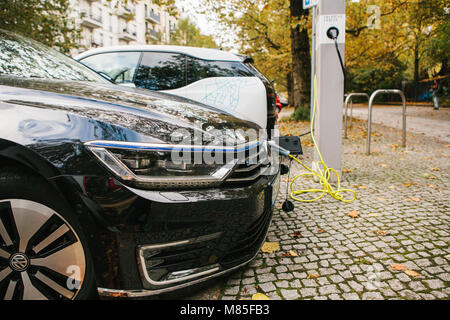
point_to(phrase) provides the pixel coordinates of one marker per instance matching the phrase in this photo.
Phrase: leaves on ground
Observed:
(412, 273)
(347, 170)
(353, 214)
(382, 232)
(296, 234)
(260, 296)
(398, 267)
(291, 253)
(312, 276)
(415, 199)
(409, 184)
(270, 247)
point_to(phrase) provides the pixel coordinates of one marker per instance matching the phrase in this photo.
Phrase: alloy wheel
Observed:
(41, 256)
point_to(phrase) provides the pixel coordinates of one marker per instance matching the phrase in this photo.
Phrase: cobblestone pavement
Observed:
(403, 219)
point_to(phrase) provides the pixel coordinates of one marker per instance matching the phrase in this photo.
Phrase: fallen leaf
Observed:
(408, 184)
(415, 199)
(384, 165)
(347, 170)
(260, 296)
(297, 234)
(398, 267)
(269, 247)
(354, 214)
(363, 187)
(320, 231)
(291, 253)
(412, 273)
(435, 169)
(382, 232)
(310, 276)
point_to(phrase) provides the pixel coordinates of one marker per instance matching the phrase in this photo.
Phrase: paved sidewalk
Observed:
(421, 120)
(403, 223)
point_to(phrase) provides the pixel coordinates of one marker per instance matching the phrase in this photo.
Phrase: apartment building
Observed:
(118, 22)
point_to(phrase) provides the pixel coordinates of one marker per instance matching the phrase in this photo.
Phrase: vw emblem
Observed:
(19, 262)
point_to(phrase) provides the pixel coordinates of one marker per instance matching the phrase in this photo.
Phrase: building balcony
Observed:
(152, 34)
(126, 11)
(153, 17)
(127, 35)
(91, 20)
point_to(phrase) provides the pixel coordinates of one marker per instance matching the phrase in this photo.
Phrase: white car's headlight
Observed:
(164, 166)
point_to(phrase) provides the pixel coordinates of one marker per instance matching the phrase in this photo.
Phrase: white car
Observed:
(222, 79)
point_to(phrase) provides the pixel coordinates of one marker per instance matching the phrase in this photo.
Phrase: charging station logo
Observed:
(309, 3)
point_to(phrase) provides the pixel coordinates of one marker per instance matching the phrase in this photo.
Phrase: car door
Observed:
(120, 67)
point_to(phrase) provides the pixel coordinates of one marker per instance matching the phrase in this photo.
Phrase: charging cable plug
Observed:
(333, 33)
(281, 151)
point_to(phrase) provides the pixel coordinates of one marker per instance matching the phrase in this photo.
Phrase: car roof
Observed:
(201, 53)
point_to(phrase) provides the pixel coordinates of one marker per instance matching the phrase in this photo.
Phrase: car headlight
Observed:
(164, 166)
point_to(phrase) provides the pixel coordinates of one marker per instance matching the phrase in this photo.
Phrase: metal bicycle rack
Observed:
(369, 125)
(347, 100)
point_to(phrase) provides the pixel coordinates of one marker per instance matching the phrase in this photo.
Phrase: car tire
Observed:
(43, 252)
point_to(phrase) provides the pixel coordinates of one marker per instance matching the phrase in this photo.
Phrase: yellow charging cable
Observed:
(323, 173)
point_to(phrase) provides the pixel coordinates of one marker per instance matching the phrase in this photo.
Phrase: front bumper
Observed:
(191, 237)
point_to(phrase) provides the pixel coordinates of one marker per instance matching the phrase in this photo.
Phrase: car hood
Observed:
(150, 116)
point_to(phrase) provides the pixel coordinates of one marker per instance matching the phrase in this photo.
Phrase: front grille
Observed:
(249, 244)
(249, 169)
(160, 262)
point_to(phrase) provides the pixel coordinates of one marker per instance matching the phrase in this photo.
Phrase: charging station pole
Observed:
(330, 82)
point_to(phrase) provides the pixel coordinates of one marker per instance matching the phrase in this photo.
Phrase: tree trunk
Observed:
(290, 89)
(301, 57)
(444, 68)
(416, 66)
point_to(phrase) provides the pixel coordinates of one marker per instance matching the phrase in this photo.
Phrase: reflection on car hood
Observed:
(146, 113)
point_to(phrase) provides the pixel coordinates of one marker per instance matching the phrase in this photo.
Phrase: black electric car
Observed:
(91, 199)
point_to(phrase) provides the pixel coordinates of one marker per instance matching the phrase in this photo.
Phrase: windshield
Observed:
(26, 58)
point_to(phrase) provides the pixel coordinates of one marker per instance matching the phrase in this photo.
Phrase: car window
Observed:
(120, 66)
(26, 58)
(200, 69)
(161, 71)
